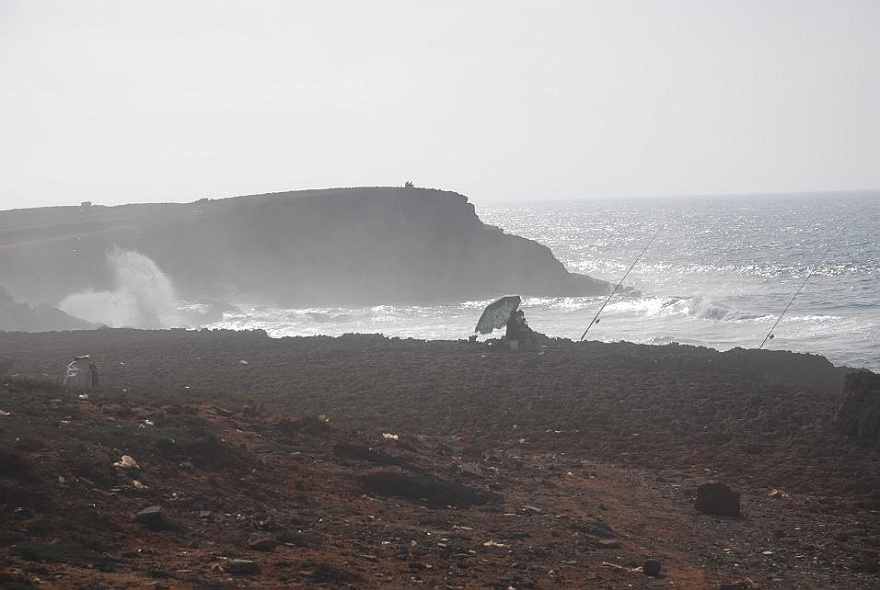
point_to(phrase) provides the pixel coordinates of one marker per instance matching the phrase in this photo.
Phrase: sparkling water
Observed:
(713, 271)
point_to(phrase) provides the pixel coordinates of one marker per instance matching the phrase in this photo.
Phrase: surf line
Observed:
(769, 335)
(619, 283)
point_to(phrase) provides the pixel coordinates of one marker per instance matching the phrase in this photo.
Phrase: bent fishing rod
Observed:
(619, 283)
(769, 335)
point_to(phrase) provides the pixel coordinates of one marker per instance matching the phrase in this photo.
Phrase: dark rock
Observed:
(651, 567)
(608, 543)
(717, 498)
(362, 453)
(858, 415)
(14, 466)
(153, 518)
(263, 544)
(95, 466)
(242, 567)
(427, 490)
(21, 317)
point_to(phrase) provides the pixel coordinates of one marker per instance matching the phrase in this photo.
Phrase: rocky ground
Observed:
(231, 460)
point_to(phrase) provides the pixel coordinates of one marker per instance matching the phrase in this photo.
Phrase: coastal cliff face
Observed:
(357, 246)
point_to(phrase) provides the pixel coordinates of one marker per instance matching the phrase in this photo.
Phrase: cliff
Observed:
(358, 246)
(20, 317)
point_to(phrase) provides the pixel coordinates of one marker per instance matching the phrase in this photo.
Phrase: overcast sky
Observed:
(121, 101)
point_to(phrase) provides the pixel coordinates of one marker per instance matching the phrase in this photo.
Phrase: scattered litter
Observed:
(2, 413)
(83, 396)
(126, 462)
(148, 422)
(139, 486)
(389, 436)
(632, 570)
(493, 544)
(244, 362)
(777, 493)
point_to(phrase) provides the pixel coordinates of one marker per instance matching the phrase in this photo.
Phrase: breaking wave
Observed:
(142, 295)
(706, 309)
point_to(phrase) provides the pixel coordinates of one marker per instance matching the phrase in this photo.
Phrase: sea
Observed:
(798, 272)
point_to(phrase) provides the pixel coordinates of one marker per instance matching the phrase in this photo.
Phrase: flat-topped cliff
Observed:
(352, 246)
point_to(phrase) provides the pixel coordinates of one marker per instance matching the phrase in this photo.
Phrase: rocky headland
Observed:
(356, 246)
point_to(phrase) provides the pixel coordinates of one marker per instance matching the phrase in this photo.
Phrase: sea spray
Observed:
(142, 295)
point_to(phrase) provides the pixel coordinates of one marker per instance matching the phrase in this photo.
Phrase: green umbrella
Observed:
(496, 313)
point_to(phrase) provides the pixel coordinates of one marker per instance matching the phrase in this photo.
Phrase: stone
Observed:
(153, 518)
(717, 498)
(242, 567)
(651, 567)
(263, 544)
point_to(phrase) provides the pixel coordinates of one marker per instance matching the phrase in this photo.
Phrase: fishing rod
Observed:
(769, 335)
(619, 283)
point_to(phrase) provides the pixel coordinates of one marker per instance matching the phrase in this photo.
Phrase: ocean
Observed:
(719, 272)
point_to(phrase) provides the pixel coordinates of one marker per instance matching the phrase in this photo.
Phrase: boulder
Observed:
(858, 415)
(717, 498)
(652, 567)
(154, 519)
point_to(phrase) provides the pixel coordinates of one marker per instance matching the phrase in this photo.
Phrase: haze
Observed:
(119, 101)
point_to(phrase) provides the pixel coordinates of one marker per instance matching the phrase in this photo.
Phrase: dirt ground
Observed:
(368, 462)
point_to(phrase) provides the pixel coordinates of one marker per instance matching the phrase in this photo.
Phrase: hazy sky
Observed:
(121, 101)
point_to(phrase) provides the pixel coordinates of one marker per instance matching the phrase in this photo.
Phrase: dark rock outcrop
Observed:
(858, 415)
(717, 498)
(20, 317)
(321, 247)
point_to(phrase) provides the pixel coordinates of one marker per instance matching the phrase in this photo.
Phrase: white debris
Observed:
(126, 462)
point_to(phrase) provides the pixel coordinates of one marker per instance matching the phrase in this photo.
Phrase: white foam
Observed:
(142, 295)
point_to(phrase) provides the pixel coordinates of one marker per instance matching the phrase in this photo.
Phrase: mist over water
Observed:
(142, 296)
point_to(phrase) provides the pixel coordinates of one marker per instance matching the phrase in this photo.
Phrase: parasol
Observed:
(496, 313)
